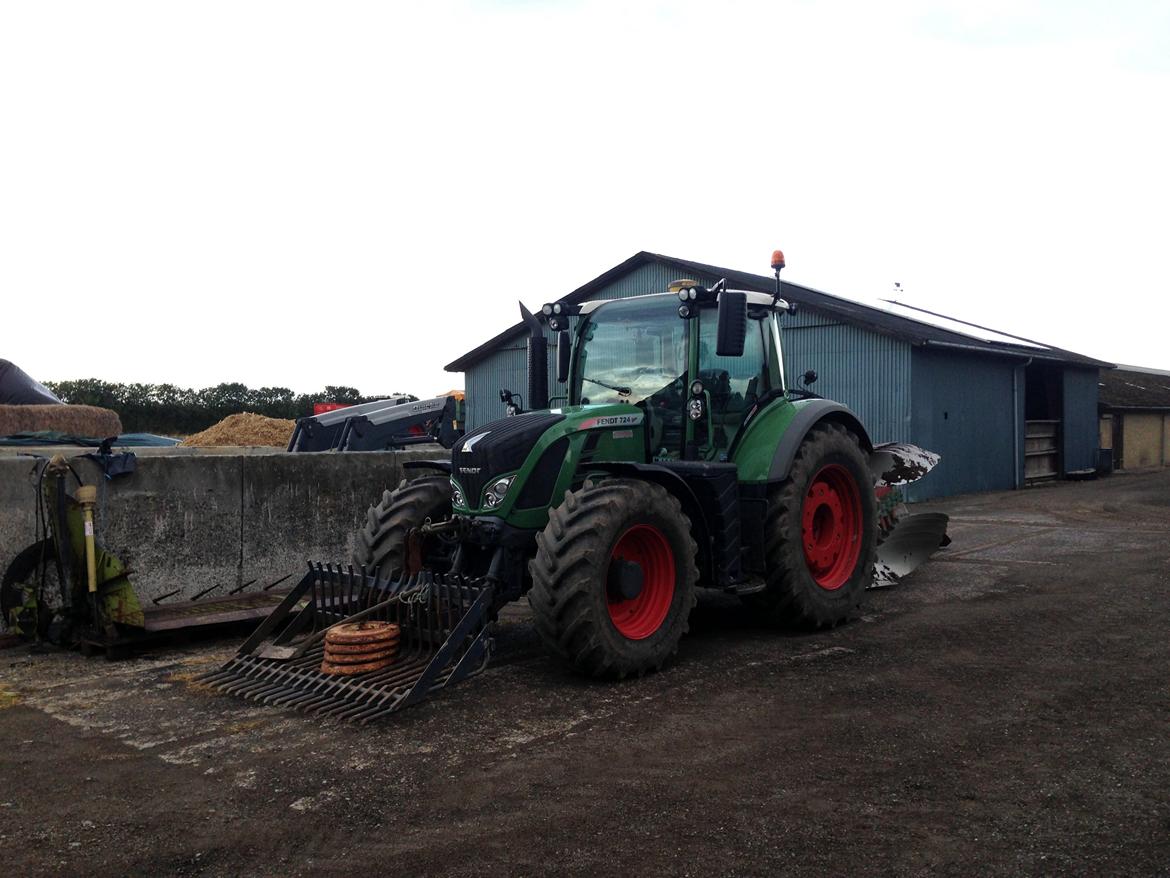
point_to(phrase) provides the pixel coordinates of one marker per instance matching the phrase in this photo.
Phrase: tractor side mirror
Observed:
(564, 348)
(512, 407)
(731, 332)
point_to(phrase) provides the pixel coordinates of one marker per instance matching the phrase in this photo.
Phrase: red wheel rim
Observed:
(830, 526)
(646, 546)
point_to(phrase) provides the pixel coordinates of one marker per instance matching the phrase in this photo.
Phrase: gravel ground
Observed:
(1004, 711)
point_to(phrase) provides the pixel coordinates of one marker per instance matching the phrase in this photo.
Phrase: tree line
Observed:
(171, 410)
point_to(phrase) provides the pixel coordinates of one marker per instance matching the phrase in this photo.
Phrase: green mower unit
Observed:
(68, 589)
(679, 460)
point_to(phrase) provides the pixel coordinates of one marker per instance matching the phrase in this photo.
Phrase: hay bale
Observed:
(245, 429)
(74, 420)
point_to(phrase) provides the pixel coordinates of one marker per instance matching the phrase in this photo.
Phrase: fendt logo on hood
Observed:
(611, 421)
(469, 444)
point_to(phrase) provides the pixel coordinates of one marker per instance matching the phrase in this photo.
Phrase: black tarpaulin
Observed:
(17, 388)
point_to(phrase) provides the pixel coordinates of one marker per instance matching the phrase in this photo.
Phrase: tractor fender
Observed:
(441, 465)
(807, 417)
(663, 476)
(677, 486)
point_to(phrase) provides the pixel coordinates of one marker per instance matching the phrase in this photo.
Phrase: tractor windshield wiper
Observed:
(624, 391)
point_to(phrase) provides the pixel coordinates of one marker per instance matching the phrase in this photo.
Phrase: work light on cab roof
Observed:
(689, 293)
(557, 314)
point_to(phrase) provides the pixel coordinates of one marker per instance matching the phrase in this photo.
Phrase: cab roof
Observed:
(753, 298)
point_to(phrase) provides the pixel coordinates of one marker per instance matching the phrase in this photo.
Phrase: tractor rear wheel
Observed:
(613, 580)
(821, 534)
(381, 543)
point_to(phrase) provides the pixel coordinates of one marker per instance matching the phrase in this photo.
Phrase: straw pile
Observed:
(245, 429)
(74, 420)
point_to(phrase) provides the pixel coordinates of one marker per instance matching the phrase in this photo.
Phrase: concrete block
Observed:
(193, 521)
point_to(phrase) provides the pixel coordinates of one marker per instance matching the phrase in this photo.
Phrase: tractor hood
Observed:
(496, 448)
(541, 450)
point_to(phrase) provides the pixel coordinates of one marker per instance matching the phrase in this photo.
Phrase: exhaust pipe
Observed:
(537, 362)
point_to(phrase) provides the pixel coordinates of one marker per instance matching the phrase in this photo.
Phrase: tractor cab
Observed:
(662, 354)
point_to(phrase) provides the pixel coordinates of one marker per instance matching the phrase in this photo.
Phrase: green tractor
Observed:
(677, 460)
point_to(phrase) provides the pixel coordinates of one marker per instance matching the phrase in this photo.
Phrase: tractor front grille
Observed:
(496, 448)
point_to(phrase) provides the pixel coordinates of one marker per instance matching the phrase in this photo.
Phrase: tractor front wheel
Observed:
(821, 534)
(613, 580)
(381, 543)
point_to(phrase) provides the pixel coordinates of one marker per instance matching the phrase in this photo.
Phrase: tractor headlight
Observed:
(496, 492)
(457, 495)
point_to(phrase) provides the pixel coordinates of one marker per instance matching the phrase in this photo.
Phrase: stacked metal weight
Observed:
(360, 647)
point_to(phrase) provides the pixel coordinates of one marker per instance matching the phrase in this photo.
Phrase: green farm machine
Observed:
(68, 589)
(678, 459)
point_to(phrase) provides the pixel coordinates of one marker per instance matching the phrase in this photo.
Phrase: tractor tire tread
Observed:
(380, 544)
(791, 598)
(565, 576)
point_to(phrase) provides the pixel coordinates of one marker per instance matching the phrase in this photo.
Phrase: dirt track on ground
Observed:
(1005, 711)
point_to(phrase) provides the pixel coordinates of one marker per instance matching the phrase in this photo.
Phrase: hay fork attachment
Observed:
(445, 637)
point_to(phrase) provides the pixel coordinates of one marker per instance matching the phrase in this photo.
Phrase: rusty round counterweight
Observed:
(360, 647)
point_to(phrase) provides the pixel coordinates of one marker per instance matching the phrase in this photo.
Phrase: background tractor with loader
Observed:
(678, 460)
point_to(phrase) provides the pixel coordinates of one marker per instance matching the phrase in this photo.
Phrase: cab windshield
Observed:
(634, 351)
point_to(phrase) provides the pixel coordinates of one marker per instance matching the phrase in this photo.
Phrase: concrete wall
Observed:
(193, 518)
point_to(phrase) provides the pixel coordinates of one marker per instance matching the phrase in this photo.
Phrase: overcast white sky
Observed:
(302, 194)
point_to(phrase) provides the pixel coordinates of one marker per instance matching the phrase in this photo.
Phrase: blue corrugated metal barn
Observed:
(1002, 411)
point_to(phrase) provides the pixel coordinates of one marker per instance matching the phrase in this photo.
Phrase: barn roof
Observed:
(923, 329)
(1128, 387)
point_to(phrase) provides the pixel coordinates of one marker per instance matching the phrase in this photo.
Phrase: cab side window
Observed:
(734, 383)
